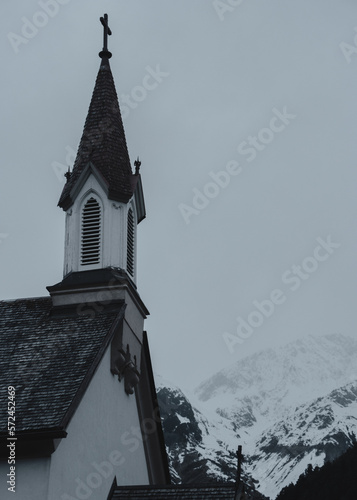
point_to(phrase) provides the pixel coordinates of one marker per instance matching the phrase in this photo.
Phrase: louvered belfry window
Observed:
(130, 244)
(91, 233)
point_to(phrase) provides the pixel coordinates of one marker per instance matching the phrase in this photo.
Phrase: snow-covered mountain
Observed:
(196, 446)
(288, 407)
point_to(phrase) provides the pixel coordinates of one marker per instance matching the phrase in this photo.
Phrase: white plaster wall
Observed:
(31, 480)
(103, 434)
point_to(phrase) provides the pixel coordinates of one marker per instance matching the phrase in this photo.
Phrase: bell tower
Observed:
(102, 198)
(104, 203)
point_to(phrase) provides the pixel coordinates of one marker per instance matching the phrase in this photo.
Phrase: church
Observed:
(79, 412)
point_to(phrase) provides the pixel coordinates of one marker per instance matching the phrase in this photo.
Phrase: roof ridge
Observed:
(178, 486)
(25, 298)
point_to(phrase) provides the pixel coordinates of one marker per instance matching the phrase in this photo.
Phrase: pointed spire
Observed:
(103, 144)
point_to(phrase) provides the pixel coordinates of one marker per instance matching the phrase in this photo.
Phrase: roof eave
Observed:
(33, 443)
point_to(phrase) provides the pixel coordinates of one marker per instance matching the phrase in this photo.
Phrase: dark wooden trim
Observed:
(148, 410)
(32, 444)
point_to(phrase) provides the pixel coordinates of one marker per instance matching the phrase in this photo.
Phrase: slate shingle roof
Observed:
(47, 359)
(175, 492)
(103, 142)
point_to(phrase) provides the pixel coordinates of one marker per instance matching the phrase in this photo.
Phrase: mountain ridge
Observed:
(288, 407)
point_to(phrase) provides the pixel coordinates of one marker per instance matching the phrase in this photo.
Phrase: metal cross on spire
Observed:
(106, 32)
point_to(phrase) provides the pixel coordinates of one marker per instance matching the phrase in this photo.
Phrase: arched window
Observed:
(130, 244)
(91, 233)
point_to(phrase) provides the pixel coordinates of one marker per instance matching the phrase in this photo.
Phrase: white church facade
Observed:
(79, 413)
(78, 360)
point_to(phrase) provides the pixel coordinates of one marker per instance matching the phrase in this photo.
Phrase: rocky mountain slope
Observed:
(288, 407)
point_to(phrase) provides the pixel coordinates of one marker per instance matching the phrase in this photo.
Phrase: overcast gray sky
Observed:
(263, 90)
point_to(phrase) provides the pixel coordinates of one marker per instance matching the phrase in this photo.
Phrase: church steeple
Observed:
(102, 197)
(103, 141)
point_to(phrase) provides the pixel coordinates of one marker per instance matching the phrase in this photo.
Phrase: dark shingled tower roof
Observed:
(103, 143)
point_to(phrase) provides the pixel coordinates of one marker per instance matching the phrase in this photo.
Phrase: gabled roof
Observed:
(49, 359)
(175, 492)
(103, 143)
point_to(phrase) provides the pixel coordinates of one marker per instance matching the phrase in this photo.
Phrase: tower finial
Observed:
(68, 174)
(137, 164)
(106, 32)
